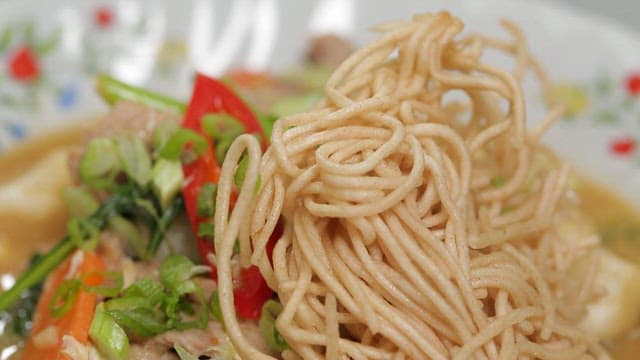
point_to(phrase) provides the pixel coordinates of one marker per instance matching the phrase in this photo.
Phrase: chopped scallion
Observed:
(206, 201)
(206, 230)
(175, 145)
(100, 163)
(135, 159)
(80, 203)
(267, 326)
(221, 126)
(65, 296)
(166, 180)
(111, 283)
(110, 339)
(83, 233)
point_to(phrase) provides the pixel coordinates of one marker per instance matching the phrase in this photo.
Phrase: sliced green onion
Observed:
(112, 91)
(221, 126)
(206, 230)
(267, 326)
(266, 122)
(497, 181)
(100, 163)
(183, 354)
(241, 170)
(135, 159)
(175, 145)
(110, 339)
(65, 296)
(128, 303)
(128, 231)
(80, 203)
(112, 282)
(83, 233)
(221, 149)
(166, 180)
(206, 201)
(163, 132)
(143, 322)
(214, 307)
(145, 288)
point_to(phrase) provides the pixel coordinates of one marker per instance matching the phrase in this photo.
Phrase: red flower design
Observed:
(23, 64)
(623, 145)
(103, 16)
(633, 84)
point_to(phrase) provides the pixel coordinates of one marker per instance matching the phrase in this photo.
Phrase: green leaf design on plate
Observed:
(607, 117)
(28, 31)
(627, 103)
(49, 44)
(5, 38)
(603, 85)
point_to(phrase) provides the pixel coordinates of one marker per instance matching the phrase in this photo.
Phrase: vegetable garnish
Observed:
(112, 91)
(148, 307)
(108, 336)
(64, 305)
(267, 326)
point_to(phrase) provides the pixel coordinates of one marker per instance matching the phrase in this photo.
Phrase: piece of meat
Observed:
(211, 342)
(125, 118)
(329, 50)
(130, 118)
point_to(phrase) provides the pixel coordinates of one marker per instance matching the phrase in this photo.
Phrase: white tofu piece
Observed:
(619, 309)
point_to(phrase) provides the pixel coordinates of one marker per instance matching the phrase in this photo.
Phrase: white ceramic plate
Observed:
(595, 63)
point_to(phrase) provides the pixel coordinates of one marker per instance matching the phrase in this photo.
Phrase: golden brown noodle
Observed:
(410, 232)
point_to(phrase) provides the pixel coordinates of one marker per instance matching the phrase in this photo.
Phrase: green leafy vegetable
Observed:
(129, 232)
(108, 336)
(206, 202)
(83, 234)
(175, 272)
(267, 326)
(124, 200)
(150, 307)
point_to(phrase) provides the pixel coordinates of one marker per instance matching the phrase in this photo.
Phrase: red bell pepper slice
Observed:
(212, 96)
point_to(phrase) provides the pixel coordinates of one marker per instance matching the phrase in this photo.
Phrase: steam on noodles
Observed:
(414, 227)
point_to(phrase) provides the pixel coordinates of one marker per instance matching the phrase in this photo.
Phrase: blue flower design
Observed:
(17, 130)
(68, 96)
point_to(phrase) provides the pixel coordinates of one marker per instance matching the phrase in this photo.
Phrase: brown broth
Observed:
(619, 225)
(23, 233)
